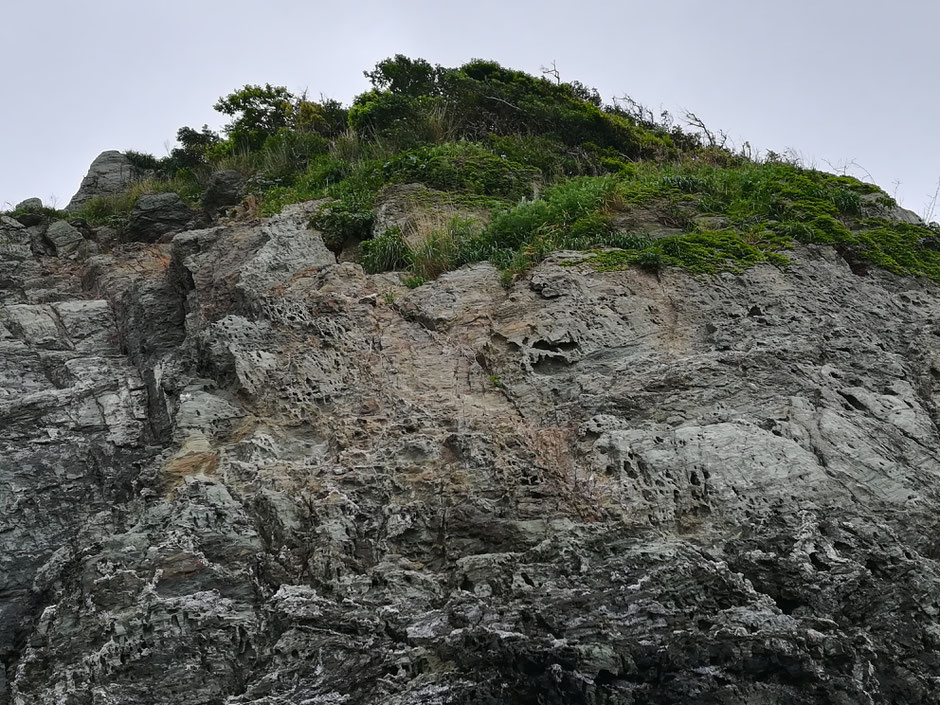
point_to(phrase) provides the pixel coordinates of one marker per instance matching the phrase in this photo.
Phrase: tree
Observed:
(413, 77)
(194, 145)
(259, 111)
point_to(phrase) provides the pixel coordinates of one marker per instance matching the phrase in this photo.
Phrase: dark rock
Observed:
(226, 188)
(31, 218)
(155, 215)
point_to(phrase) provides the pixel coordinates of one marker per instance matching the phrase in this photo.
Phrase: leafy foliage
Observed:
(556, 168)
(463, 166)
(405, 76)
(386, 252)
(257, 112)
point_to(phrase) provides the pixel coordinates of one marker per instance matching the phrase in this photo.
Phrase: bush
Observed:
(387, 252)
(402, 75)
(142, 161)
(339, 222)
(400, 121)
(556, 168)
(287, 153)
(463, 166)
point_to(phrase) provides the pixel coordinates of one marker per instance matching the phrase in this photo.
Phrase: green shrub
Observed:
(553, 159)
(142, 161)
(257, 112)
(463, 166)
(403, 121)
(434, 255)
(403, 75)
(351, 215)
(287, 153)
(385, 253)
(340, 223)
(555, 167)
(414, 281)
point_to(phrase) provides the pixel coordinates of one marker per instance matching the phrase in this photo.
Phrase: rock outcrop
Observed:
(29, 204)
(110, 173)
(235, 470)
(155, 215)
(225, 188)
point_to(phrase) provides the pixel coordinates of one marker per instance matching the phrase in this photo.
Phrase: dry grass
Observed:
(177, 470)
(553, 447)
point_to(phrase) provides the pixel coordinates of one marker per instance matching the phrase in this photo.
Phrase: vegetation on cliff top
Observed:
(550, 166)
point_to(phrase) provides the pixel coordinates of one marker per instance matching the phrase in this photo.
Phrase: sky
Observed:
(848, 86)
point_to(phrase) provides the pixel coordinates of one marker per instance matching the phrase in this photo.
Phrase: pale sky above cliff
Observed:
(848, 82)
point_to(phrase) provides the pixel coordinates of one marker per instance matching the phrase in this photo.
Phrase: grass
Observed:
(768, 208)
(463, 166)
(518, 167)
(387, 252)
(114, 210)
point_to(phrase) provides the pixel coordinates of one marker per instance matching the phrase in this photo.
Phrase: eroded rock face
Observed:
(237, 471)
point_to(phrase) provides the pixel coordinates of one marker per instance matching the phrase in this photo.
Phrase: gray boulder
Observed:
(891, 210)
(30, 204)
(64, 239)
(226, 188)
(111, 172)
(155, 215)
(903, 215)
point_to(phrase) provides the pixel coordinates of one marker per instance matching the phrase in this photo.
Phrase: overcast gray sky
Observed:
(836, 80)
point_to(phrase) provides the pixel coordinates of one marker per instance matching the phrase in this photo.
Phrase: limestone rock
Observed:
(110, 173)
(891, 210)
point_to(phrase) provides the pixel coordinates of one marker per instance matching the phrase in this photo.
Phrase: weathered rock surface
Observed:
(417, 210)
(29, 204)
(155, 215)
(225, 188)
(233, 470)
(110, 173)
(64, 239)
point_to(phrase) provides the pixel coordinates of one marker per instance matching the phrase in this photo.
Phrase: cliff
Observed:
(235, 467)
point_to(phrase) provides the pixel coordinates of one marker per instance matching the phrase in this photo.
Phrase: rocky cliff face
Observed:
(234, 470)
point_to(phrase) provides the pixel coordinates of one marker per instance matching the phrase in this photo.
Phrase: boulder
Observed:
(28, 218)
(155, 215)
(30, 204)
(111, 172)
(399, 206)
(226, 188)
(64, 239)
(891, 210)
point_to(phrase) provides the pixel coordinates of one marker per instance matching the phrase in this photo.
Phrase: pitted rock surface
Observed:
(237, 471)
